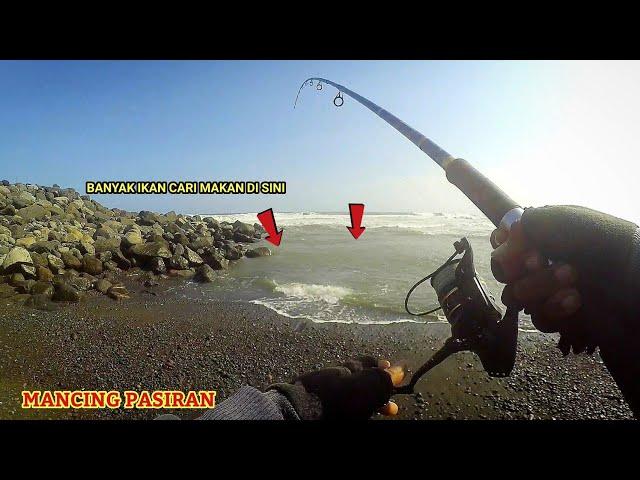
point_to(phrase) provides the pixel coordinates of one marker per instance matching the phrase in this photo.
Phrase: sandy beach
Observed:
(157, 339)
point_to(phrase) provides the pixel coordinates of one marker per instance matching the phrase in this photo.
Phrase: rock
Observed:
(120, 260)
(241, 237)
(106, 244)
(192, 257)
(55, 264)
(39, 260)
(6, 290)
(178, 263)
(32, 212)
(104, 232)
(118, 292)
(81, 283)
(243, 228)
(23, 199)
(177, 249)
(157, 265)
(212, 222)
(71, 261)
(40, 302)
(86, 247)
(26, 242)
(152, 249)
(65, 293)
(28, 271)
(73, 235)
(205, 273)
(180, 238)
(201, 242)
(103, 285)
(233, 253)
(182, 273)
(42, 288)
(216, 261)
(91, 265)
(16, 257)
(43, 274)
(16, 279)
(149, 218)
(258, 252)
(45, 246)
(132, 237)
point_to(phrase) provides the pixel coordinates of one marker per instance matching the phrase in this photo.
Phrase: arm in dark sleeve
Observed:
(249, 403)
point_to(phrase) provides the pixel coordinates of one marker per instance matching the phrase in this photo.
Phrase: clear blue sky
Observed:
(539, 128)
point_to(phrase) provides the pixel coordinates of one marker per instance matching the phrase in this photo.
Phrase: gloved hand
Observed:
(590, 292)
(354, 390)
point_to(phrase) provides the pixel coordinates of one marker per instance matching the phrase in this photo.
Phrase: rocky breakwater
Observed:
(56, 245)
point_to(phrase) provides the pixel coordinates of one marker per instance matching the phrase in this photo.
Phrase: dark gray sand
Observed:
(157, 340)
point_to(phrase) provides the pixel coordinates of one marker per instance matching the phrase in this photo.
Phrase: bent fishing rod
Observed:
(477, 323)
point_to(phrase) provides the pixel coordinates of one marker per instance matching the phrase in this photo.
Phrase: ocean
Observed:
(322, 274)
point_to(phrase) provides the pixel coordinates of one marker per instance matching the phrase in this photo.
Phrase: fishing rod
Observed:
(477, 323)
(496, 205)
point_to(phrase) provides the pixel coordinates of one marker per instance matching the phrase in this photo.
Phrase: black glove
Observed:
(354, 390)
(604, 252)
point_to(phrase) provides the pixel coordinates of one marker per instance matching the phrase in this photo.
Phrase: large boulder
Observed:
(178, 262)
(32, 212)
(149, 218)
(118, 292)
(131, 238)
(23, 199)
(216, 261)
(42, 288)
(43, 273)
(120, 260)
(71, 261)
(192, 257)
(152, 249)
(55, 264)
(244, 228)
(15, 258)
(103, 285)
(157, 265)
(103, 244)
(243, 238)
(65, 293)
(205, 273)
(45, 247)
(258, 252)
(201, 242)
(91, 265)
(73, 235)
(26, 242)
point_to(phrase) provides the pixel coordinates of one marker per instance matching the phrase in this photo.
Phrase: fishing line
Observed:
(420, 282)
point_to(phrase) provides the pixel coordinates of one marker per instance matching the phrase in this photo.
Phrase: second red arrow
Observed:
(356, 211)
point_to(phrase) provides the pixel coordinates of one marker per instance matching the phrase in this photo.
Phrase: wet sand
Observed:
(157, 339)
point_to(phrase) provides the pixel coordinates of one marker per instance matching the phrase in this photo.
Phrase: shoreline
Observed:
(158, 340)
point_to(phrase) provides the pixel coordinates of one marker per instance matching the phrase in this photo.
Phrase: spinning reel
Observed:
(477, 324)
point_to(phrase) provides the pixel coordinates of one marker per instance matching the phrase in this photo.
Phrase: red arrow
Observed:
(356, 210)
(268, 221)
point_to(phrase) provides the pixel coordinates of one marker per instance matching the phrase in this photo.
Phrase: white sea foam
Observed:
(424, 223)
(305, 291)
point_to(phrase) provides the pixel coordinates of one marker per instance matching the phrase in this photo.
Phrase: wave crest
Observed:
(311, 291)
